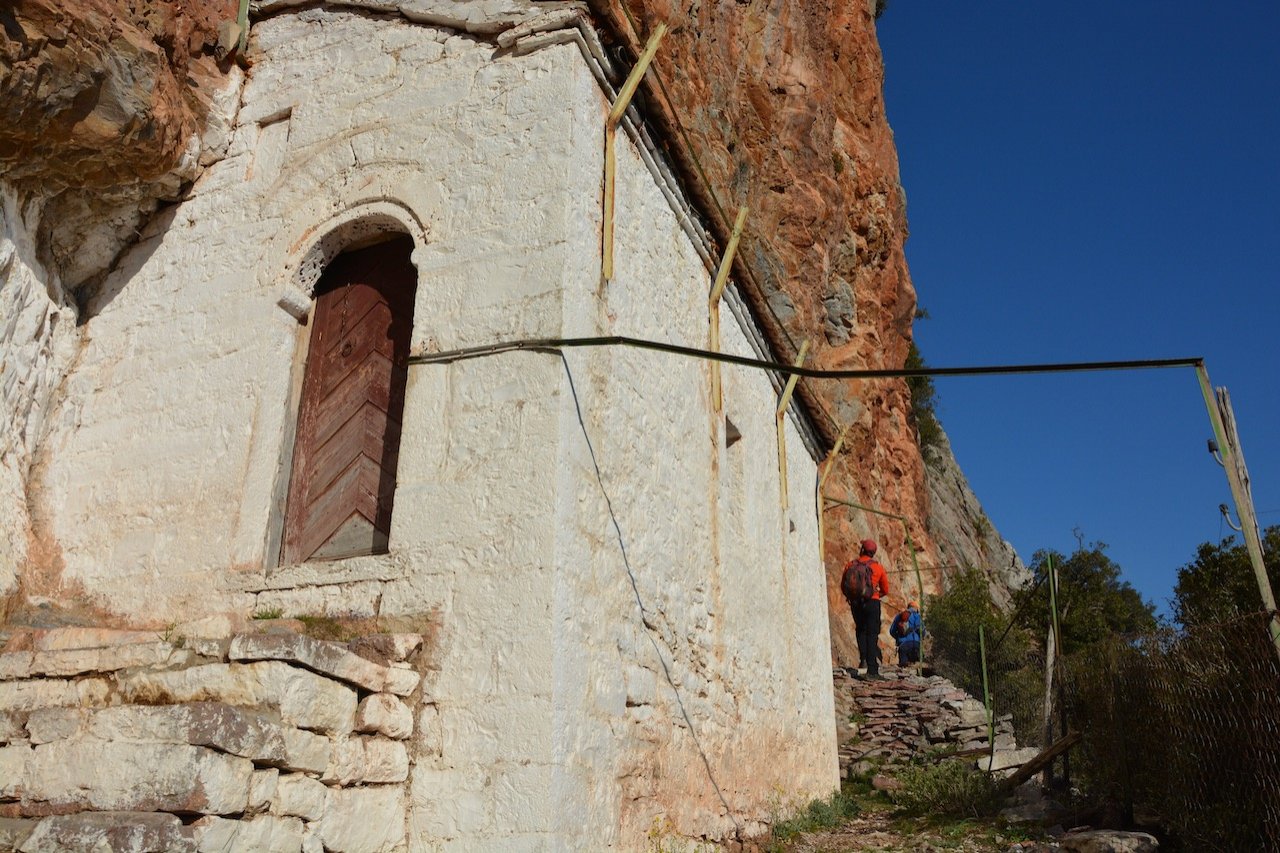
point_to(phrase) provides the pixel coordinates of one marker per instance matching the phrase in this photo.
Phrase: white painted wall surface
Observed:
(550, 721)
(36, 334)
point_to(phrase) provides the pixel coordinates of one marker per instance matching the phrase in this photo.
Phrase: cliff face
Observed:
(99, 92)
(109, 106)
(103, 106)
(781, 108)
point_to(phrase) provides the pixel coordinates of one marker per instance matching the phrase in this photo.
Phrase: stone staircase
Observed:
(889, 722)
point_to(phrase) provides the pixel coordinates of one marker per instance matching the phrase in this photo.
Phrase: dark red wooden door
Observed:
(348, 437)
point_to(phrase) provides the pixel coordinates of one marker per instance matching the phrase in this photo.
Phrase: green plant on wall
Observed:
(924, 402)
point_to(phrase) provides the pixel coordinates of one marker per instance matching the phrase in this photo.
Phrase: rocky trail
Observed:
(884, 726)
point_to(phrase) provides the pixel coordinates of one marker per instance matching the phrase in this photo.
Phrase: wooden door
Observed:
(348, 437)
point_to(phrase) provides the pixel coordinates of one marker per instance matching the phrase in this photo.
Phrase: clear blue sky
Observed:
(1096, 182)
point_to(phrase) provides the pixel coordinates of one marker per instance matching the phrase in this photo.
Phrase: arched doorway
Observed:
(347, 442)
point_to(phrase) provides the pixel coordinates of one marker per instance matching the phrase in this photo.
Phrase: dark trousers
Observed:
(908, 652)
(866, 619)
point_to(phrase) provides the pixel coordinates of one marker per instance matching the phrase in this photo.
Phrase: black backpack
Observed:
(856, 583)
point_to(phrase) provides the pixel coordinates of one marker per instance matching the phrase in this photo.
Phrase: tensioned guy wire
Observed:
(557, 344)
(650, 628)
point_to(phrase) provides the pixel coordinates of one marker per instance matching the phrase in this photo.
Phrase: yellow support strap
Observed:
(830, 461)
(713, 304)
(632, 83)
(620, 105)
(781, 423)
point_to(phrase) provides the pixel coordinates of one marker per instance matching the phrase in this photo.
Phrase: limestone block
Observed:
(519, 802)
(305, 751)
(304, 699)
(384, 714)
(310, 701)
(118, 832)
(311, 842)
(13, 767)
(62, 662)
(329, 658)
(1108, 841)
(430, 730)
(261, 834)
(210, 647)
(300, 796)
(401, 682)
(137, 777)
(364, 820)
(45, 725)
(10, 728)
(367, 759)
(262, 788)
(387, 647)
(1004, 759)
(71, 638)
(50, 693)
(15, 665)
(14, 832)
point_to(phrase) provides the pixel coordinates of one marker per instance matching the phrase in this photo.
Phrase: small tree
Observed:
(1093, 602)
(1219, 584)
(924, 401)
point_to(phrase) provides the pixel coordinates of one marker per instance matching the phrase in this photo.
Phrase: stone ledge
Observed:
(65, 662)
(305, 699)
(326, 658)
(104, 776)
(380, 567)
(118, 830)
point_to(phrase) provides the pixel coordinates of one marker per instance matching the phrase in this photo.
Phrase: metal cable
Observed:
(554, 345)
(650, 628)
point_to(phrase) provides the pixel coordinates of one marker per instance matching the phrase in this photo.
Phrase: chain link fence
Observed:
(1180, 729)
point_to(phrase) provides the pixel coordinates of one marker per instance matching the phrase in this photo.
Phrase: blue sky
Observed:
(1086, 182)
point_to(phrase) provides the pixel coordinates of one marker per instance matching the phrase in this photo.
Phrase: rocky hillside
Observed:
(108, 107)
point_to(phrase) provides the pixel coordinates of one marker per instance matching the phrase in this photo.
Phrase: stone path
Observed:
(890, 721)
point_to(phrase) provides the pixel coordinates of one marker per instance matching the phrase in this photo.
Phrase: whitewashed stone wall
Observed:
(577, 700)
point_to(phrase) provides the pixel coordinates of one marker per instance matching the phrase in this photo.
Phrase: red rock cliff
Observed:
(780, 106)
(96, 93)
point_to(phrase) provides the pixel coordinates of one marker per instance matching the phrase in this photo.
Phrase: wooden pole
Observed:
(619, 109)
(986, 698)
(713, 303)
(242, 20)
(1051, 646)
(1224, 429)
(780, 417)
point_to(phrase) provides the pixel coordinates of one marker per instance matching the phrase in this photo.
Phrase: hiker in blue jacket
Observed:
(907, 630)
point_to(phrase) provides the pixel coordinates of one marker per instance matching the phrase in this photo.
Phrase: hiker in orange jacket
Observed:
(864, 582)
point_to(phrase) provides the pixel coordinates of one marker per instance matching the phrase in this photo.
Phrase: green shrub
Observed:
(924, 402)
(951, 788)
(818, 815)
